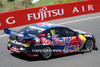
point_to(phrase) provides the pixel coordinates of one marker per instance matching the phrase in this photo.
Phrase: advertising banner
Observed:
(46, 13)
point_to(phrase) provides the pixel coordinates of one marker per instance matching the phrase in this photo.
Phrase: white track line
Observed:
(4, 35)
(68, 22)
(84, 19)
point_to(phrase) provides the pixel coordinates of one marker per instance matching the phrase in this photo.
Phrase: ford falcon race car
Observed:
(46, 40)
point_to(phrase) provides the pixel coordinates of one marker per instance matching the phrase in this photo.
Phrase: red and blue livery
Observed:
(46, 40)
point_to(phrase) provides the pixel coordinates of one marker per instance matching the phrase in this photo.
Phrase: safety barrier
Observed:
(46, 13)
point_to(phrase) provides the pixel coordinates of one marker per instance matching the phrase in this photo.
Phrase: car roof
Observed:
(45, 25)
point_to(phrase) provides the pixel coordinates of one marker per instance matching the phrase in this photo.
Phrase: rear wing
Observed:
(11, 32)
(7, 31)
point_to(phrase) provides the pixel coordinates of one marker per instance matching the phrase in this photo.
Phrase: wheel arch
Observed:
(91, 39)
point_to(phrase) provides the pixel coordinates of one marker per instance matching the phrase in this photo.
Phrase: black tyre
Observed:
(89, 44)
(46, 53)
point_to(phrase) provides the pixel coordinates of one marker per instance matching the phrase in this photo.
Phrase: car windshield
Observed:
(32, 30)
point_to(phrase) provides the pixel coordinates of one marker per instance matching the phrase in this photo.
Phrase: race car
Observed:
(46, 40)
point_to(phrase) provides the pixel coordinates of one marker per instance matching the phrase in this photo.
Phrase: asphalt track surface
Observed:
(89, 59)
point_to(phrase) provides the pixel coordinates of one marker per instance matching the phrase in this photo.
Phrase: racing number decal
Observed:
(52, 32)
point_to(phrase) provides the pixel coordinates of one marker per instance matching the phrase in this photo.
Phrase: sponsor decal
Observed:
(38, 28)
(60, 41)
(54, 41)
(45, 25)
(76, 10)
(19, 43)
(74, 44)
(16, 42)
(37, 40)
(45, 13)
(40, 50)
(14, 48)
(21, 35)
(10, 20)
(88, 35)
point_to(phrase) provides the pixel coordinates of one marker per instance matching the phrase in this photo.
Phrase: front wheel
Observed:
(46, 53)
(89, 44)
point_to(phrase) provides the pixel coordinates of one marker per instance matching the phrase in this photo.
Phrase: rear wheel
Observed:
(89, 44)
(46, 53)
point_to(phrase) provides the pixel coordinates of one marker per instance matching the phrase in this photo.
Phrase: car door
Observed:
(73, 41)
(53, 38)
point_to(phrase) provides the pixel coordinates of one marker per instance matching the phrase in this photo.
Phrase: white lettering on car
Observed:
(33, 27)
(16, 42)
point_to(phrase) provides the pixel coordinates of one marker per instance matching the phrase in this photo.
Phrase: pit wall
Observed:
(47, 13)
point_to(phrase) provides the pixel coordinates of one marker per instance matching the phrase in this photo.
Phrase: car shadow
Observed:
(24, 57)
